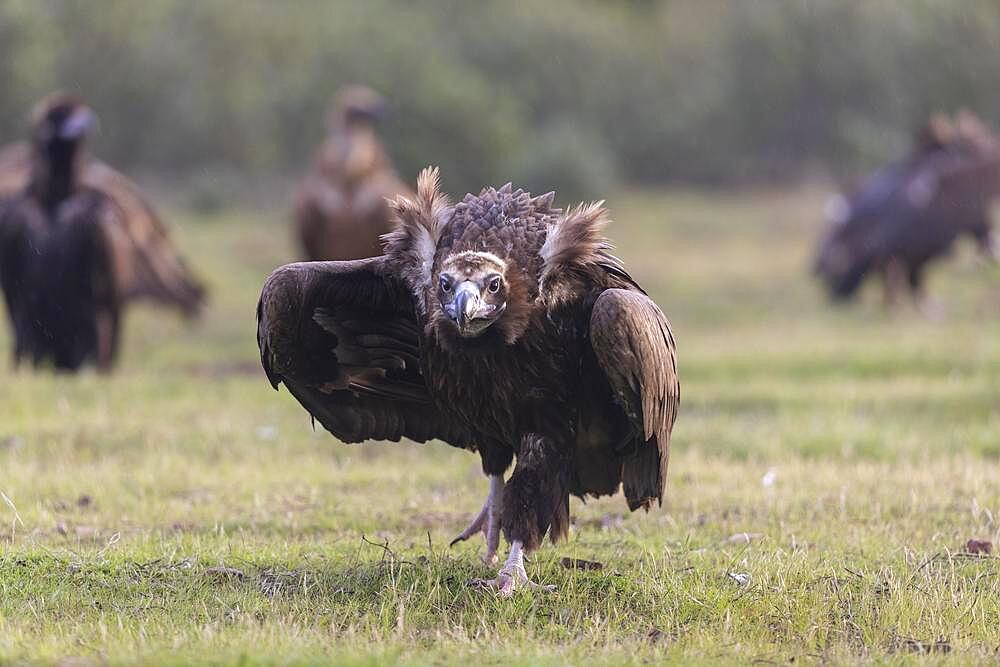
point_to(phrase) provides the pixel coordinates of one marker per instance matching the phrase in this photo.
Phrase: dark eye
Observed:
(494, 285)
(445, 283)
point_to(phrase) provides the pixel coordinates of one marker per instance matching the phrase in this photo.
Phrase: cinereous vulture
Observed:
(500, 325)
(341, 207)
(77, 242)
(912, 211)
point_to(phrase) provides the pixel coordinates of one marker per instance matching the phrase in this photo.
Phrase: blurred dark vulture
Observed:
(911, 212)
(77, 242)
(342, 208)
(499, 325)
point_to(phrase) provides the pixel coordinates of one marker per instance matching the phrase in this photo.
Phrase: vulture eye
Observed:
(494, 285)
(445, 283)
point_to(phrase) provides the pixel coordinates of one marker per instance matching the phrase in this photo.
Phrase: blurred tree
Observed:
(655, 91)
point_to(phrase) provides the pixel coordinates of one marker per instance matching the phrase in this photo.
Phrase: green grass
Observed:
(881, 433)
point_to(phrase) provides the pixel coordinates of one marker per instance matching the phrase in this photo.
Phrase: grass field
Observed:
(858, 451)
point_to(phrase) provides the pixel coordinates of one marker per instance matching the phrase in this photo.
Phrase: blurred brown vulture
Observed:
(911, 212)
(500, 325)
(342, 208)
(77, 242)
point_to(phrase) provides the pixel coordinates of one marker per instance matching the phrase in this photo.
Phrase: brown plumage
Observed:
(910, 213)
(342, 208)
(77, 242)
(500, 325)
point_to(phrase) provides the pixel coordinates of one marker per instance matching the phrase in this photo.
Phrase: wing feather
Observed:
(635, 348)
(152, 268)
(344, 339)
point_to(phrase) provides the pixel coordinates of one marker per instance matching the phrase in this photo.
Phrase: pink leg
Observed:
(511, 575)
(487, 521)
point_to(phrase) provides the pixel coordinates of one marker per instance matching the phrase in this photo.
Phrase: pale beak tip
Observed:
(471, 306)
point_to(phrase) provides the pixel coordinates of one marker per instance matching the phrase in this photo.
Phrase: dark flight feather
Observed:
(635, 348)
(315, 323)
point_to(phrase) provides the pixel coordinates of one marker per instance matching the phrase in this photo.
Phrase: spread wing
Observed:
(153, 269)
(148, 265)
(344, 339)
(635, 348)
(16, 223)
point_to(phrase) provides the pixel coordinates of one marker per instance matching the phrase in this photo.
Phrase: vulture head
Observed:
(472, 290)
(60, 121)
(840, 266)
(476, 279)
(357, 105)
(59, 126)
(937, 133)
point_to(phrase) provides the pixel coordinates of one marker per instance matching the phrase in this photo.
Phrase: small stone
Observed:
(979, 547)
(741, 578)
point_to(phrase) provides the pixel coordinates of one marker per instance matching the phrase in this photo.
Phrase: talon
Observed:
(461, 538)
(507, 586)
(477, 526)
(511, 576)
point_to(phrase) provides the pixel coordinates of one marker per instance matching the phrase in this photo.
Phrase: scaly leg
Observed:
(487, 521)
(511, 575)
(535, 501)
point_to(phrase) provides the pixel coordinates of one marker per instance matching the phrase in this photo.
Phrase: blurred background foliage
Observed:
(579, 95)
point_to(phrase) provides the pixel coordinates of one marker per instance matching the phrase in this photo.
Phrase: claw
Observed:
(478, 525)
(511, 576)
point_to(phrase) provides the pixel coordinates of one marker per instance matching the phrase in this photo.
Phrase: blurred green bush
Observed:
(569, 158)
(557, 92)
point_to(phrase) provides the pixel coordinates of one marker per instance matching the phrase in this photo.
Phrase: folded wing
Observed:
(635, 348)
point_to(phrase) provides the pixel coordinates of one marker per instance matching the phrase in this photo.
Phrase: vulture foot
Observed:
(487, 521)
(511, 576)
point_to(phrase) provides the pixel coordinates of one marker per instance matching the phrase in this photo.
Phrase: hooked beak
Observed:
(77, 124)
(469, 311)
(372, 113)
(467, 298)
